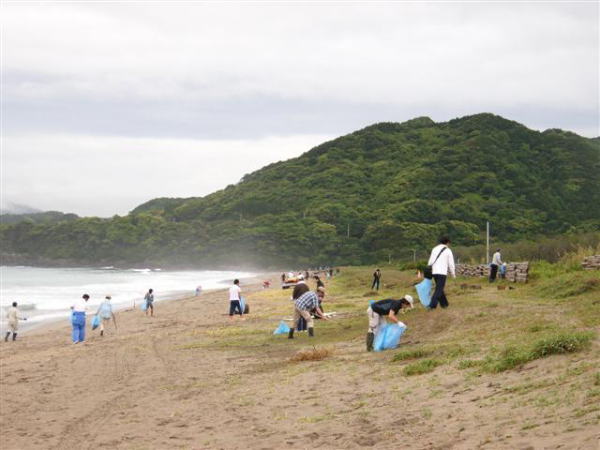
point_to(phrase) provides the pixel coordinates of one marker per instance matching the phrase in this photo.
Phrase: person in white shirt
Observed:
(234, 299)
(496, 263)
(78, 318)
(12, 317)
(442, 262)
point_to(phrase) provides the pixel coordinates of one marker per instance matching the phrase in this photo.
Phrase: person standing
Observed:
(376, 279)
(234, 299)
(149, 298)
(388, 308)
(320, 283)
(442, 262)
(105, 312)
(78, 319)
(12, 317)
(496, 263)
(302, 307)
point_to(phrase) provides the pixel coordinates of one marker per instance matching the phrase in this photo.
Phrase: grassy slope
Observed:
(489, 344)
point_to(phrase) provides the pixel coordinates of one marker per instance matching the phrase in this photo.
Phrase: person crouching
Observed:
(303, 305)
(388, 308)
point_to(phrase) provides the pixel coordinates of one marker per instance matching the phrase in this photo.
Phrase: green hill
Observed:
(386, 189)
(37, 217)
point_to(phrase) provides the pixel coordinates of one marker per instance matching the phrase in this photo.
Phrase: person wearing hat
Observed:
(78, 319)
(105, 312)
(388, 308)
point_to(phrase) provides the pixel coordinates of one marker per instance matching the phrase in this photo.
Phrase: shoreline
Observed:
(28, 328)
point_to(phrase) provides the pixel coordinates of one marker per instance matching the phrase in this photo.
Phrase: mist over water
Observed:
(47, 293)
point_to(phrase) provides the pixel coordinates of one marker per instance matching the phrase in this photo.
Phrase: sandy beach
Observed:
(192, 378)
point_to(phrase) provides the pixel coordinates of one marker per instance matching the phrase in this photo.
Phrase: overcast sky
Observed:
(105, 106)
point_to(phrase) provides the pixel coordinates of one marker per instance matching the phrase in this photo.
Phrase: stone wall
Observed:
(591, 262)
(516, 272)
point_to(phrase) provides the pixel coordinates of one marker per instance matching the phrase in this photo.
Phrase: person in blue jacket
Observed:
(105, 312)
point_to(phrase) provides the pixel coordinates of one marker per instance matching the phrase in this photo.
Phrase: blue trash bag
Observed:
(95, 322)
(282, 328)
(242, 304)
(424, 291)
(144, 305)
(388, 336)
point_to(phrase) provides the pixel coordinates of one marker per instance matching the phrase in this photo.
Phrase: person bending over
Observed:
(385, 309)
(303, 305)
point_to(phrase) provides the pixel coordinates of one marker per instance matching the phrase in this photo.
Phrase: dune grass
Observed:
(514, 356)
(421, 367)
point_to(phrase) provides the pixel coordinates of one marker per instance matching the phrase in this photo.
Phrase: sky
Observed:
(106, 105)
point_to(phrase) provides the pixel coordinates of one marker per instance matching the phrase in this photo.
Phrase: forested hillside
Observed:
(384, 190)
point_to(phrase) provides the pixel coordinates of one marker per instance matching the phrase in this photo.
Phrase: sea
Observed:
(46, 294)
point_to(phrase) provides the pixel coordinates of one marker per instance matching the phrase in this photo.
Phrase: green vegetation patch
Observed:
(412, 354)
(421, 367)
(515, 356)
(562, 343)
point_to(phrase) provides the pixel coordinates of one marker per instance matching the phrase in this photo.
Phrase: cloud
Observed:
(99, 175)
(106, 105)
(487, 55)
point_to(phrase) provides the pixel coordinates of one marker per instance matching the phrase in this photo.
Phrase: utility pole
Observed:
(487, 242)
(348, 232)
(389, 258)
(414, 256)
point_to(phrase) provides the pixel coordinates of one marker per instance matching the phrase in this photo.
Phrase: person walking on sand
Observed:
(496, 263)
(303, 305)
(388, 308)
(12, 317)
(441, 261)
(235, 293)
(78, 319)
(376, 280)
(105, 312)
(149, 298)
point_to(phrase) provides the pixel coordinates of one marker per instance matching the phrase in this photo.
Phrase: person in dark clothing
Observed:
(319, 282)
(376, 279)
(496, 263)
(388, 308)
